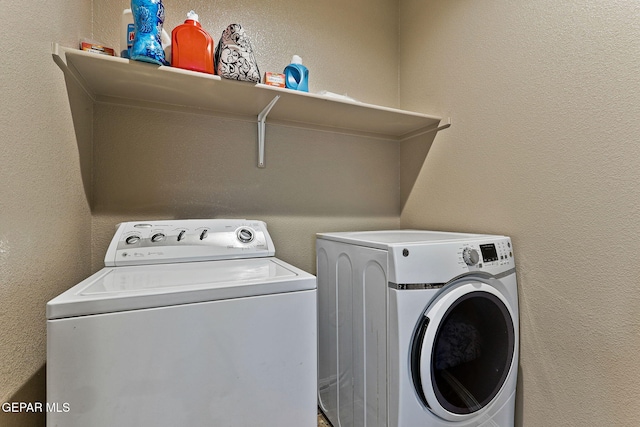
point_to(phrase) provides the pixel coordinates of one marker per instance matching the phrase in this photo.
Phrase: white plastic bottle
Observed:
(127, 31)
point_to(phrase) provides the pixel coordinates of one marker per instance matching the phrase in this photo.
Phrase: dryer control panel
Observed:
(440, 261)
(159, 242)
(482, 254)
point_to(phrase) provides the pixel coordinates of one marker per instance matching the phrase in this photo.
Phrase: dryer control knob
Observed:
(470, 256)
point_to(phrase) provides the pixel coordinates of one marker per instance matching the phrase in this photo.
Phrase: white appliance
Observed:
(417, 328)
(191, 323)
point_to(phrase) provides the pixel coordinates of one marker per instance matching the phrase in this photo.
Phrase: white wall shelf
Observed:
(117, 80)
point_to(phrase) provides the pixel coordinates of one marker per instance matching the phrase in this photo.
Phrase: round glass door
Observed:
(466, 346)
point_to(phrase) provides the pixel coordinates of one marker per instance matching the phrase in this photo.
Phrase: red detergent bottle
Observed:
(191, 46)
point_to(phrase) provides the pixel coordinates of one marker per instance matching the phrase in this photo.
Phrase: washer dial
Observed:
(131, 240)
(470, 256)
(245, 235)
(158, 237)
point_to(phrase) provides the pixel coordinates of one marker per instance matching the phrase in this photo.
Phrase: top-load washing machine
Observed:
(190, 323)
(417, 328)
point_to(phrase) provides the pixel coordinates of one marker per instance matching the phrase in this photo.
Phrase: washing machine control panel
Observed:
(157, 242)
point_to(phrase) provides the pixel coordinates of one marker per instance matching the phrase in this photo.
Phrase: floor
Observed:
(322, 421)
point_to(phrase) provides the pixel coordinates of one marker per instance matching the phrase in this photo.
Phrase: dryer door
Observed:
(463, 348)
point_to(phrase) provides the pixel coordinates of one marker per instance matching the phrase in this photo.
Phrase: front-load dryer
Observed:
(417, 328)
(190, 323)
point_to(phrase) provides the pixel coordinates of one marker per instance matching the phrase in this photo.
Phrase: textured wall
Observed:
(45, 222)
(349, 48)
(544, 147)
(194, 166)
(47, 231)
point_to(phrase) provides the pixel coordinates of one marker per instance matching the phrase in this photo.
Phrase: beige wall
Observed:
(45, 223)
(71, 189)
(545, 103)
(349, 47)
(194, 166)
(543, 147)
(190, 165)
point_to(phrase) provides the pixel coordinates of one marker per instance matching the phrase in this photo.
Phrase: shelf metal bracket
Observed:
(261, 129)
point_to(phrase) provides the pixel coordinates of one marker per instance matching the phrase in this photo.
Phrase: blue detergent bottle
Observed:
(296, 75)
(148, 17)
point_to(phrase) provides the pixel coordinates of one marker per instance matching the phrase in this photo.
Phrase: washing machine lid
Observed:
(115, 289)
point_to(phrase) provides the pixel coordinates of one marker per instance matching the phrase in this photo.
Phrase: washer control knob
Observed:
(132, 240)
(204, 234)
(158, 237)
(245, 235)
(470, 256)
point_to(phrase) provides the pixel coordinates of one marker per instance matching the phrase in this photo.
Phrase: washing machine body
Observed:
(191, 322)
(417, 328)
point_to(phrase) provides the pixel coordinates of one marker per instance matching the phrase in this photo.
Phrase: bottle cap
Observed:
(296, 60)
(192, 15)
